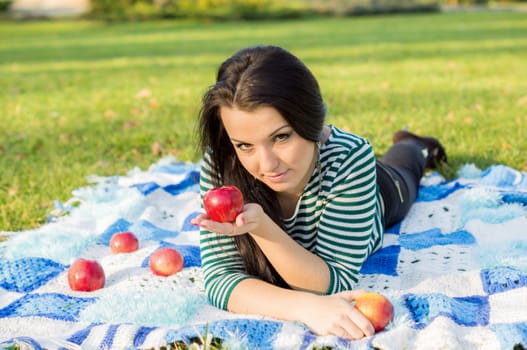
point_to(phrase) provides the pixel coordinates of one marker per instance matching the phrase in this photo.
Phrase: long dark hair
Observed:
(255, 77)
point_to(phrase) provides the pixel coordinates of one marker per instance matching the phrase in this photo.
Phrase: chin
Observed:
(277, 187)
(282, 188)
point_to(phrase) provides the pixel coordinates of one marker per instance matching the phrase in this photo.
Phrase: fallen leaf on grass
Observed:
(102, 163)
(478, 107)
(523, 101)
(129, 124)
(146, 92)
(157, 148)
(45, 204)
(109, 114)
(136, 154)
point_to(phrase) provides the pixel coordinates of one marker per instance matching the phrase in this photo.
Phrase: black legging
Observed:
(399, 173)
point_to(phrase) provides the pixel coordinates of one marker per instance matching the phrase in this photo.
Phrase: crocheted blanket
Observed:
(455, 269)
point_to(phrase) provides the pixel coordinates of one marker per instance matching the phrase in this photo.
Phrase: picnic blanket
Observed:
(455, 269)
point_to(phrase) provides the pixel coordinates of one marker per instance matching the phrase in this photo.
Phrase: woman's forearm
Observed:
(253, 296)
(323, 314)
(300, 268)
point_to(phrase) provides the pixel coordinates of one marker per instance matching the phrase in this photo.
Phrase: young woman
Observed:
(317, 200)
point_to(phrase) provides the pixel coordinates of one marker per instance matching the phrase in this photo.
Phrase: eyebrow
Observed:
(270, 135)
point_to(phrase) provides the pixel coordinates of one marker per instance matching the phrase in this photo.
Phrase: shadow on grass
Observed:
(456, 162)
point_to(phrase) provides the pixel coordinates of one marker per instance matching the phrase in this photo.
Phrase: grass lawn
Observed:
(81, 98)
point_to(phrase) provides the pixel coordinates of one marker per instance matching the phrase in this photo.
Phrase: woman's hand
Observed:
(248, 220)
(335, 315)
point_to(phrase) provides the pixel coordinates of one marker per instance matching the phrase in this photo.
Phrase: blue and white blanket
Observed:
(455, 268)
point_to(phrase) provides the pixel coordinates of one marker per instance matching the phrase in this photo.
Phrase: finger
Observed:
(197, 219)
(342, 333)
(362, 323)
(240, 220)
(225, 228)
(214, 226)
(355, 324)
(350, 295)
(348, 330)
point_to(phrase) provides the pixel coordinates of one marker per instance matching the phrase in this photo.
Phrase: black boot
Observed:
(436, 152)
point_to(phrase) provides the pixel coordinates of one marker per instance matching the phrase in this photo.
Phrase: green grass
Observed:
(69, 106)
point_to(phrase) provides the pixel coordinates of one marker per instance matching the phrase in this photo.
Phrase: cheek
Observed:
(300, 155)
(249, 164)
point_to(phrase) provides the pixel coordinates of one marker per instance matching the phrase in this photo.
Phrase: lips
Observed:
(276, 177)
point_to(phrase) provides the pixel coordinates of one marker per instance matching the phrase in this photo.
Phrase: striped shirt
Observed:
(338, 218)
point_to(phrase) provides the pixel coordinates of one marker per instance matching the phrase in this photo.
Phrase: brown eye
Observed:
(244, 147)
(282, 137)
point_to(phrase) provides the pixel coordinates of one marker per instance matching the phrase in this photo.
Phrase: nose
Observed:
(268, 160)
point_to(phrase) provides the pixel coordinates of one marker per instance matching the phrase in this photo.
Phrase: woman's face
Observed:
(270, 149)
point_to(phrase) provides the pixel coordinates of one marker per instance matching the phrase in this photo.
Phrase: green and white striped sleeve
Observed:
(221, 262)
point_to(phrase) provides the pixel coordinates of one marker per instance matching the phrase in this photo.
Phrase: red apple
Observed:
(223, 204)
(377, 308)
(86, 275)
(124, 242)
(165, 262)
